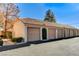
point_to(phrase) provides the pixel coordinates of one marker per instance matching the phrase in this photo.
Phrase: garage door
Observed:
(59, 32)
(51, 34)
(33, 34)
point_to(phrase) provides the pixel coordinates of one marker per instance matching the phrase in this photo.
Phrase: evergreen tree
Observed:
(49, 16)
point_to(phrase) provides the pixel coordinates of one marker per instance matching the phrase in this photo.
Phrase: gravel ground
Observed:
(66, 47)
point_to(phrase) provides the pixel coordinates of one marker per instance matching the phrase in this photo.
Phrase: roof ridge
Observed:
(31, 19)
(52, 23)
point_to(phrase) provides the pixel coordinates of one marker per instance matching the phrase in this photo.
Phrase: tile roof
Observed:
(35, 21)
(31, 21)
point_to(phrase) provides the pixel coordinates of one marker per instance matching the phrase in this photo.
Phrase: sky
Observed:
(65, 13)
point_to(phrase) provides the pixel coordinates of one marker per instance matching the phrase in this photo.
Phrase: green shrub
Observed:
(9, 34)
(1, 36)
(1, 42)
(18, 39)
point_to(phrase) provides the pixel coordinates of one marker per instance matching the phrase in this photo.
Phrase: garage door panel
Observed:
(51, 34)
(33, 34)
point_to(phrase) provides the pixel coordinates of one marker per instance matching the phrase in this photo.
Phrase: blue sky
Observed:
(65, 13)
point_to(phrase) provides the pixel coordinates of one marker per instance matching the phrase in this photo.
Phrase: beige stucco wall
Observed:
(57, 33)
(20, 30)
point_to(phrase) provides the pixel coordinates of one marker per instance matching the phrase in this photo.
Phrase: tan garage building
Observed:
(34, 30)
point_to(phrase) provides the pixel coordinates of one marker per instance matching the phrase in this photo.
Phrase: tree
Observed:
(10, 12)
(49, 16)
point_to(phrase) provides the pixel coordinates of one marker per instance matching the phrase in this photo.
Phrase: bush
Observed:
(18, 39)
(1, 42)
(9, 34)
(1, 36)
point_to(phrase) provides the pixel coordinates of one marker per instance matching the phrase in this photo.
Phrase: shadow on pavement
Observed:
(51, 40)
(9, 47)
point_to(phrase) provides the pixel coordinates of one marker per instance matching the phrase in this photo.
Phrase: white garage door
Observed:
(33, 34)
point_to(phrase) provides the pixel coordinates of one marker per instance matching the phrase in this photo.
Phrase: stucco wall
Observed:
(20, 30)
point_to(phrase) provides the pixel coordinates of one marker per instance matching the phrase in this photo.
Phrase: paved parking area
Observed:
(66, 47)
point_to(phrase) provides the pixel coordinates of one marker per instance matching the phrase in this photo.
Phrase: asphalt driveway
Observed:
(66, 47)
